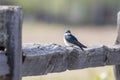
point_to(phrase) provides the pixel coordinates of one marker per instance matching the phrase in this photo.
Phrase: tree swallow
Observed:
(71, 40)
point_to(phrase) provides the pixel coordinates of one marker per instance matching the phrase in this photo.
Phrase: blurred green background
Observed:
(93, 22)
(69, 11)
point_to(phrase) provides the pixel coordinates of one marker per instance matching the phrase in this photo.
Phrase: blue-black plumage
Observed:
(71, 40)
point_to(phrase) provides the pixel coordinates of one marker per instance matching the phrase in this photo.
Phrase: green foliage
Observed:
(52, 6)
(69, 11)
(58, 6)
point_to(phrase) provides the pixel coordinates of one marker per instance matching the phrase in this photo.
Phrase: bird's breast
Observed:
(67, 43)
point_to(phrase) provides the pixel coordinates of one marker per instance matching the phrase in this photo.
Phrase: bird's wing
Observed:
(72, 39)
(82, 45)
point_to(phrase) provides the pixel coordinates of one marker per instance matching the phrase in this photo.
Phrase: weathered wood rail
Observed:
(35, 59)
(4, 69)
(49, 58)
(10, 39)
(43, 59)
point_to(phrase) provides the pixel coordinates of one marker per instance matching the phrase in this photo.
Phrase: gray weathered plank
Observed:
(3, 28)
(43, 59)
(117, 67)
(13, 22)
(4, 69)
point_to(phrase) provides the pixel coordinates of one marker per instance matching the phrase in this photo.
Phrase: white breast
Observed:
(67, 43)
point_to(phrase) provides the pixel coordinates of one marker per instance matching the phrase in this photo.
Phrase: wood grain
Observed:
(4, 68)
(13, 22)
(43, 59)
(117, 67)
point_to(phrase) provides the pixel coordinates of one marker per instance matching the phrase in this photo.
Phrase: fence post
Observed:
(117, 67)
(12, 20)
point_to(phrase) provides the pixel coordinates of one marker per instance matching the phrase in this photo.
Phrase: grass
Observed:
(89, 35)
(100, 73)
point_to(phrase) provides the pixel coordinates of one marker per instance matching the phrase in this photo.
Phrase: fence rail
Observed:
(43, 59)
(35, 59)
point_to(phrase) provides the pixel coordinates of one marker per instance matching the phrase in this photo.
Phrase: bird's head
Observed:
(67, 32)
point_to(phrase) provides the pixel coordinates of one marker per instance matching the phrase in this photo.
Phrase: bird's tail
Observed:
(82, 46)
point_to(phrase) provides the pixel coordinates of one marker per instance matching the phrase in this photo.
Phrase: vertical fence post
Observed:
(12, 19)
(117, 67)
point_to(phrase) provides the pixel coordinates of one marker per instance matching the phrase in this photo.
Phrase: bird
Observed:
(71, 40)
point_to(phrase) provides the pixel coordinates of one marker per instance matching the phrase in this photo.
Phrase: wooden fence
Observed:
(36, 59)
